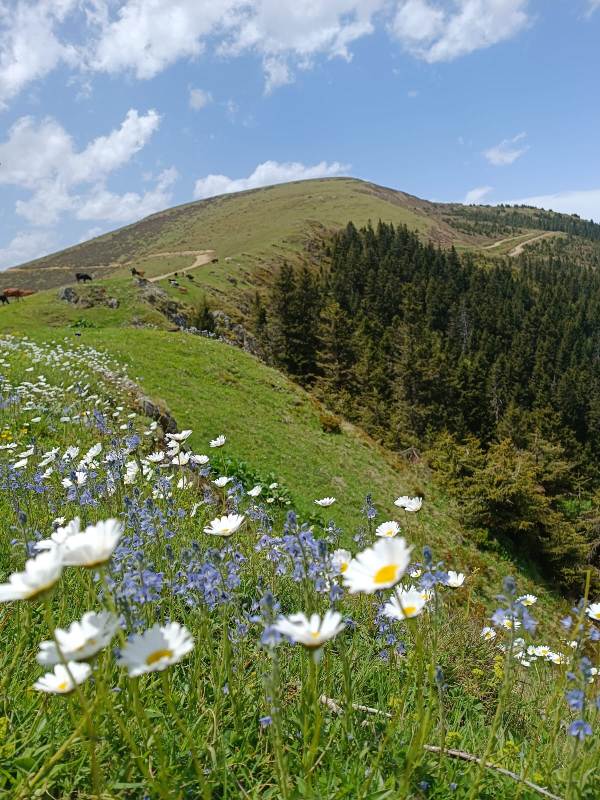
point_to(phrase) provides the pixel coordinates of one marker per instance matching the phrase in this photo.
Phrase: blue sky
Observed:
(114, 109)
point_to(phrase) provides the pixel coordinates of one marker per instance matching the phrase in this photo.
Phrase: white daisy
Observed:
(156, 649)
(325, 502)
(81, 640)
(219, 441)
(63, 679)
(455, 579)
(593, 611)
(340, 560)
(388, 529)
(60, 535)
(222, 481)
(313, 632)
(225, 525)
(405, 604)
(255, 490)
(527, 599)
(410, 504)
(179, 437)
(488, 633)
(378, 567)
(156, 457)
(94, 546)
(199, 460)
(41, 573)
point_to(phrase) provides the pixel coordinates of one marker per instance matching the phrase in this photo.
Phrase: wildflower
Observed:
(156, 457)
(575, 699)
(199, 460)
(488, 633)
(580, 729)
(455, 579)
(510, 623)
(41, 573)
(416, 573)
(325, 502)
(410, 504)
(180, 459)
(94, 546)
(313, 632)
(255, 491)
(388, 529)
(264, 722)
(156, 649)
(221, 482)
(219, 441)
(593, 611)
(378, 567)
(179, 437)
(60, 535)
(527, 599)
(405, 604)
(82, 639)
(340, 560)
(63, 679)
(225, 525)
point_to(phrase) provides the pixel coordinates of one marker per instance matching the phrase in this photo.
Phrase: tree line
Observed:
(494, 369)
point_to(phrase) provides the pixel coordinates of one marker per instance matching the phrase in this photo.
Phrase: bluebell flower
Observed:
(580, 729)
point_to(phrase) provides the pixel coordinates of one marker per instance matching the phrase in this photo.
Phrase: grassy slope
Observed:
(272, 424)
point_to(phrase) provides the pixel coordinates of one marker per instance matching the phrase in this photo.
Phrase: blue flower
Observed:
(580, 729)
(575, 699)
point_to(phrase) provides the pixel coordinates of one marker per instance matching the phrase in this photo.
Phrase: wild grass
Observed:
(247, 713)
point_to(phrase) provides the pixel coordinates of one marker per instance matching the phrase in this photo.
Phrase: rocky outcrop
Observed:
(160, 300)
(234, 333)
(90, 297)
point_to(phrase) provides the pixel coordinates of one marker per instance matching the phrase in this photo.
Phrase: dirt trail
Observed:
(202, 257)
(516, 251)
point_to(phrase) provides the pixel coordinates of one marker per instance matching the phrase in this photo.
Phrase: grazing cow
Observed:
(190, 277)
(3, 299)
(83, 277)
(214, 261)
(139, 272)
(183, 290)
(173, 282)
(18, 293)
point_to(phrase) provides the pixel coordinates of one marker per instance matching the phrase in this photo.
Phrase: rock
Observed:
(69, 295)
(162, 415)
(161, 301)
(112, 302)
(234, 333)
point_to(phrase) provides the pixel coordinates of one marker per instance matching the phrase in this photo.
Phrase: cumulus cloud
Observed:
(267, 174)
(437, 30)
(29, 44)
(145, 37)
(477, 194)
(41, 157)
(101, 204)
(25, 246)
(199, 98)
(585, 202)
(507, 151)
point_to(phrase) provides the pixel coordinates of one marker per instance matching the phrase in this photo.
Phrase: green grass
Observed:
(142, 733)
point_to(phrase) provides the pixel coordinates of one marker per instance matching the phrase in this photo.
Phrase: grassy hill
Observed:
(232, 704)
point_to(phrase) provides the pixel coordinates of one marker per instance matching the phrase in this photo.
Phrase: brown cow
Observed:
(18, 293)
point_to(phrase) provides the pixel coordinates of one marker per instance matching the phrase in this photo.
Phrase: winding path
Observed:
(202, 257)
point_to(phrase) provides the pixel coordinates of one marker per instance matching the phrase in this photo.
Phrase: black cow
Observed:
(82, 277)
(190, 277)
(3, 299)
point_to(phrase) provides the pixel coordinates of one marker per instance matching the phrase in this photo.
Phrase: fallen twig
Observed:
(431, 748)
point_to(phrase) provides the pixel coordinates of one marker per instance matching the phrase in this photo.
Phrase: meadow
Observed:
(182, 622)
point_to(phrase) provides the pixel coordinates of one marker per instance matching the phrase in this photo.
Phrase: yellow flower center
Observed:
(409, 610)
(344, 566)
(157, 655)
(385, 574)
(315, 634)
(63, 686)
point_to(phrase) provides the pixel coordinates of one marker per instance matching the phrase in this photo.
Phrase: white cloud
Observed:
(101, 204)
(29, 46)
(42, 159)
(26, 246)
(585, 202)
(277, 73)
(436, 30)
(477, 194)
(199, 98)
(593, 5)
(266, 174)
(507, 151)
